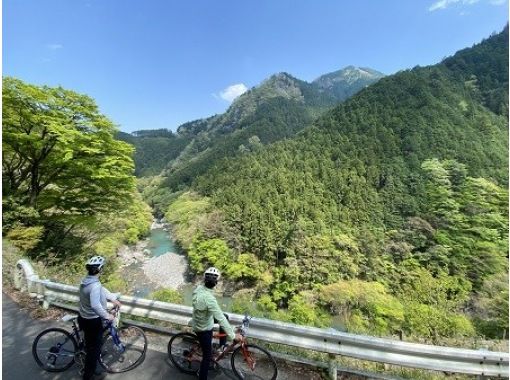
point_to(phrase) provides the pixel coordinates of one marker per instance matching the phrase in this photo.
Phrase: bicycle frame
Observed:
(112, 330)
(242, 329)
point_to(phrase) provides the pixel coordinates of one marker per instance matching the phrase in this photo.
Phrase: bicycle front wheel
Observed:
(253, 362)
(54, 349)
(185, 352)
(127, 354)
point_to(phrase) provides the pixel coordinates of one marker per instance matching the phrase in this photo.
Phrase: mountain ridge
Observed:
(280, 106)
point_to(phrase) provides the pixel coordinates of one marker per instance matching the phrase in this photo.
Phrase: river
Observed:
(164, 266)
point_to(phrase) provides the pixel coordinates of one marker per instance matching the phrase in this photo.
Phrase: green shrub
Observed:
(25, 238)
(167, 295)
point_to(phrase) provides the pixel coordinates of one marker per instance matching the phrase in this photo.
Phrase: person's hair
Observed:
(210, 281)
(93, 269)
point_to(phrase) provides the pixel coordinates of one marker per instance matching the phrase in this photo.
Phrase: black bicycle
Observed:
(122, 349)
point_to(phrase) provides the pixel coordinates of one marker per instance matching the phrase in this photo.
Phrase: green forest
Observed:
(389, 213)
(386, 212)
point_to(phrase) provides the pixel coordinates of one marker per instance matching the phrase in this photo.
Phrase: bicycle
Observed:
(247, 360)
(56, 349)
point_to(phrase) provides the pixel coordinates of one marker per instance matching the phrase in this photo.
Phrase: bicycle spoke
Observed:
(128, 354)
(53, 350)
(254, 363)
(184, 351)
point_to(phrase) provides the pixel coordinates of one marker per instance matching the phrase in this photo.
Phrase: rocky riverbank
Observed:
(167, 270)
(150, 269)
(137, 254)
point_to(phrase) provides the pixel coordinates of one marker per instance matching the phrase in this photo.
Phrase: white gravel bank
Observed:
(166, 270)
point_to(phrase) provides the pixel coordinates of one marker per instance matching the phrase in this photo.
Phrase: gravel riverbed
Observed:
(167, 270)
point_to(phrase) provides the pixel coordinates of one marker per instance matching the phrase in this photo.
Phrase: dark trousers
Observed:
(93, 331)
(205, 339)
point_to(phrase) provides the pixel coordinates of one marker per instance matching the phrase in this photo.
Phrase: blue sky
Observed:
(157, 64)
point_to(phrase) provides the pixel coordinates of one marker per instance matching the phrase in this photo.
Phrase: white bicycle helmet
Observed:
(96, 261)
(212, 272)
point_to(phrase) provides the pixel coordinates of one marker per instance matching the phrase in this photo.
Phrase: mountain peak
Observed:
(347, 81)
(349, 75)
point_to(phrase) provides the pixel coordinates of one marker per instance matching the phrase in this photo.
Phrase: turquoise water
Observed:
(160, 242)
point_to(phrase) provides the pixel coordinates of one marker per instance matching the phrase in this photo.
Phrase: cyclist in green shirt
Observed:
(205, 312)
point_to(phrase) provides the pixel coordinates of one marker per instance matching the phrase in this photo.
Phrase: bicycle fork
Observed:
(248, 358)
(116, 340)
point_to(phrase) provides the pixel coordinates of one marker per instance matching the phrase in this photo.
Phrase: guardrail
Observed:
(413, 355)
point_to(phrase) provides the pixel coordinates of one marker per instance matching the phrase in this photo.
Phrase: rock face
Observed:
(167, 270)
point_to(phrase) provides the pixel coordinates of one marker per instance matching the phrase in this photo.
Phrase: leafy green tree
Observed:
(491, 306)
(59, 155)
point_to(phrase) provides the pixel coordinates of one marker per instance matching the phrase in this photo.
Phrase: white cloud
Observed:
(54, 46)
(442, 4)
(233, 91)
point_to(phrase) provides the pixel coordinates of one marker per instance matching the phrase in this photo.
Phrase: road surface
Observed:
(19, 331)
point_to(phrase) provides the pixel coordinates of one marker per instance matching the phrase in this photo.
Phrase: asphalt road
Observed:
(19, 331)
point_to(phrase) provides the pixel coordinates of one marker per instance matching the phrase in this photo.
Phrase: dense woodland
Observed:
(387, 212)
(390, 212)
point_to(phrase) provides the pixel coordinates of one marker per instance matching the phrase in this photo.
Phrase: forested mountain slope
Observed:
(276, 109)
(399, 193)
(154, 149)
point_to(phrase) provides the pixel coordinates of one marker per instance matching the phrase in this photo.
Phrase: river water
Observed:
(160, 243)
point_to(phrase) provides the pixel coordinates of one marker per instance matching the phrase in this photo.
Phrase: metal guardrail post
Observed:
(25, 276)
(332, 367)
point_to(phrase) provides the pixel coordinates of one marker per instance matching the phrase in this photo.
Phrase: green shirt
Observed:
(206, 309)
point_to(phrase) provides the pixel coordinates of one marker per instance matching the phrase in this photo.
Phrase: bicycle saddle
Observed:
(69, 317)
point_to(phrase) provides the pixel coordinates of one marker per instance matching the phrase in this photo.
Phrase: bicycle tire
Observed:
(115, 360)
(62, 337)
(185, 353)
(263, 368)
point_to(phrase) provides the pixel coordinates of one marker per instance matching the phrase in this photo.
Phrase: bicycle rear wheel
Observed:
(253, 362)
(130, 353)
(185, 352)
(54, 349)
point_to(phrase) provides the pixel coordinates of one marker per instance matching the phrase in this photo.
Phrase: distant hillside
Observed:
(153, 149)
(276, 109)
(401, 189)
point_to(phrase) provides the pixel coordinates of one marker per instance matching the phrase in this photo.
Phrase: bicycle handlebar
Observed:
(243, 329)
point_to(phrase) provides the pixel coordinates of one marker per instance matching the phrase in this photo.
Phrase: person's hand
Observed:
(117, 303)
(238, 338)
(110, 317)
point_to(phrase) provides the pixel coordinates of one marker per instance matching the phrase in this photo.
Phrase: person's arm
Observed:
(95, 301)
(112, 297)
(218, 314)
